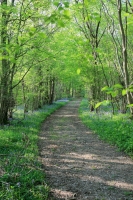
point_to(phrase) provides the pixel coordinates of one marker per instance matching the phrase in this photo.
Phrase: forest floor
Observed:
(78, 165)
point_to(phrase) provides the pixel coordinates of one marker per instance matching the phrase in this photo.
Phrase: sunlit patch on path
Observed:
(80, 166)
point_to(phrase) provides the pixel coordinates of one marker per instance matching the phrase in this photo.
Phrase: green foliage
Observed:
(130, 105)
(105, 102)
(124, 92)
(114, 90)
(115, 129)
(23, 177)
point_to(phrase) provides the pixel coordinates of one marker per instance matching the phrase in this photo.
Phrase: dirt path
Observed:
(80, 166)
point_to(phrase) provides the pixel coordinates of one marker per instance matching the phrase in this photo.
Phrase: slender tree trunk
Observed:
(51, 93)
(25, 100)
(4, 95)
(124, 52)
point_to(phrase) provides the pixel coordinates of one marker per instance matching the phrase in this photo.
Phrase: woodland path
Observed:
(78, 165)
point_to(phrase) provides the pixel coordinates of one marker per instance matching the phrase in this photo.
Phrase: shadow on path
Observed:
(80, 166)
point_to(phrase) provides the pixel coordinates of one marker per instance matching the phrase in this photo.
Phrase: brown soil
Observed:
(78, 165)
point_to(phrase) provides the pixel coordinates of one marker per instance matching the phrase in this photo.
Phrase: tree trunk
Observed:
(4, 93)
(124, 53)
(51, 93)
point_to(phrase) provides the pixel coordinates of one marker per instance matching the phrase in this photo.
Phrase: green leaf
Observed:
(56, 3)
(114, 93)
(86, 2)
(130, 105)
(78, 71)
(119, 86)
(105, 88)
(124, 92)
(109, 92)
(98, 104)
(42, 35)
(126, 14)
(61, 23)
(131, 86)
(80, 6)
(130, 90)
(32, 31)
(67, 14)
(66, 4)
(60, 8)
(105, 102)
(86, 19)
(96, 16)
(53, 18)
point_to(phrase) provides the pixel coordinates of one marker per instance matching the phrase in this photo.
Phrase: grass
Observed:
(115, 129)
(22, 175)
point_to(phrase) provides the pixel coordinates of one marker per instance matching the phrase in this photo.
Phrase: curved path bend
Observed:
(78, 165)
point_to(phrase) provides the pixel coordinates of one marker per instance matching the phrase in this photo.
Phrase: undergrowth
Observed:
(115, 129)
(22, 176)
